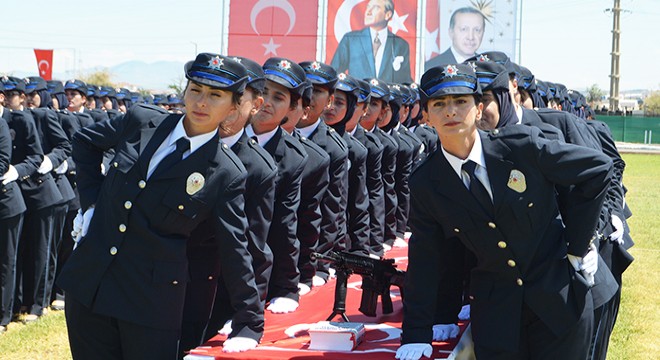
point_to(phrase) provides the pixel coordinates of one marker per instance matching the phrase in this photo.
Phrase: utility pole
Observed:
(615, 75)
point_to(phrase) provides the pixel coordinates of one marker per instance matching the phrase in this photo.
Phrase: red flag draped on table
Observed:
(261, 29)
(45, 63)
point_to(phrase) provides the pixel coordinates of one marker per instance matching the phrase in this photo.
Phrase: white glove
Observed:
(226, 329)
(442, 332)
(238, 344)
(317, 281)
(87, 219)
(303, 289)
(413, 351)
(400, 243)
(588, 265)
(10, 175)
(617, 235)
(282, 305)
(46, 166)
(465, 312)
(77, 228)
(64, 166)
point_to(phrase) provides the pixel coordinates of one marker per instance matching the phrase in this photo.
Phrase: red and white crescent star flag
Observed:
(432, 29)
(261, 29)
(348, 15)
(44, 63)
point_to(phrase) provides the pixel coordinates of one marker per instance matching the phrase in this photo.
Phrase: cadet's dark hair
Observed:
(466, 10)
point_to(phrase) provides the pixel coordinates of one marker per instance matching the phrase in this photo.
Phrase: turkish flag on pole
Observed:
(45, 63)
(261, 29)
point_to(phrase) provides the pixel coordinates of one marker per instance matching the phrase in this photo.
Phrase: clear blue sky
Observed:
(567, 41)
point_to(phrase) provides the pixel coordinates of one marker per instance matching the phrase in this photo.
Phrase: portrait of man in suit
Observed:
(374, 51)
(466, 31)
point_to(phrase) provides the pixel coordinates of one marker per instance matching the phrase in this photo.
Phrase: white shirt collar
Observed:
(262, 139)
(232, 139)
(459, 58)
(476, 155)
(352, 132)
(308, 130)
(195, 142)
(519, 113)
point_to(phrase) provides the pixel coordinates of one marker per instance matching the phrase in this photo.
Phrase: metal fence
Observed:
(633, 129)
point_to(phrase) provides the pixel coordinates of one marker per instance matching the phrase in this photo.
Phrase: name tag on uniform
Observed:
(194, 183)
(517, 181)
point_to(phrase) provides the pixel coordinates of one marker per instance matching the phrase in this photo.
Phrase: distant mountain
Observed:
(154, 76)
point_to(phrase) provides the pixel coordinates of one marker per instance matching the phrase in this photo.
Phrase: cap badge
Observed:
(216, 63)
(450, 71)
(27, 80)
(374, 82)
(517, 181)
(284, 64)
(483, 58)
(341, 76)
(413, 86)
(194, 183)
(316, 66)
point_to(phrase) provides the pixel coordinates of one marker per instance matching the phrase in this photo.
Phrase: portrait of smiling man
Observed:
(466, 31)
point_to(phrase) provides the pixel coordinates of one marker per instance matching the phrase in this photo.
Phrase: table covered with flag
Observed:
(286, 337)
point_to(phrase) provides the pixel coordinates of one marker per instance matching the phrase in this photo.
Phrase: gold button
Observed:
(115, 164)
(303, 138)
(511, 263)
(519, 282)
(501, 244)
(495, 132)
(122, 228)
(180, 207)
(225, 146)
(128, 205)
(142, 184)
(210, 277)
(40, 181)
(457, 230)
(4, 190)
(492, 225)
(530, 204)
(175, 282)
(113, 251)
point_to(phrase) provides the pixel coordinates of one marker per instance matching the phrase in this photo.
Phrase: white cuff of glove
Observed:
(590, 261)
(238, 344)
(64, 166)
(226, 329)
(10, 175)
(442, 332)
(87, 218)
(414, 351)
(465, 312)
(303, 289)
(77, 228)
(46, 166)
(617, 235)
(282, 305)
(318, 281)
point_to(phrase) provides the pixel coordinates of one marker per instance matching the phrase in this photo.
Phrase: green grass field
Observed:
(637, 332)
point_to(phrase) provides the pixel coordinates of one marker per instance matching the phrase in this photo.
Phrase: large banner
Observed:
(261, 29)
(393, 40)
(44, 63)
(457, 29)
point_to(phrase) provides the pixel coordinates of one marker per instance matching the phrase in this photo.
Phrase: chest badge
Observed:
(194, 183)
(517, 181)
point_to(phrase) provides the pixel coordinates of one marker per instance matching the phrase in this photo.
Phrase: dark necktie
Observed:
(376, 45)
(182, 145)
(477, 188)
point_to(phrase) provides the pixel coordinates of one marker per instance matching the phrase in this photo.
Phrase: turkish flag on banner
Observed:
(432, 29)
(45, 63)
(349, 15)
(261, 29)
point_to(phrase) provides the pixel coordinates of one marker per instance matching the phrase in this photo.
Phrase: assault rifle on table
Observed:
(377, 277)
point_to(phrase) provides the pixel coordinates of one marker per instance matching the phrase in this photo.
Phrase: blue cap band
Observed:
(208, 76)
(282, 75)
(452, 84)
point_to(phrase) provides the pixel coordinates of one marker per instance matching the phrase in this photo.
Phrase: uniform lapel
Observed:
(151, 138)
(367, 48)
(498, 167)
(451, 186)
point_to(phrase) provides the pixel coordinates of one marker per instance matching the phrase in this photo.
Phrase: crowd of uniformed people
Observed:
(169, 218)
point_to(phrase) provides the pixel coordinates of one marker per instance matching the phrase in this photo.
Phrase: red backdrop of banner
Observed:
(261, 29)
(44, 63)
(348, 15)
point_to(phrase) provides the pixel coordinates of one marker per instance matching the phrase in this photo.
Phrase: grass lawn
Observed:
(636, 335)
